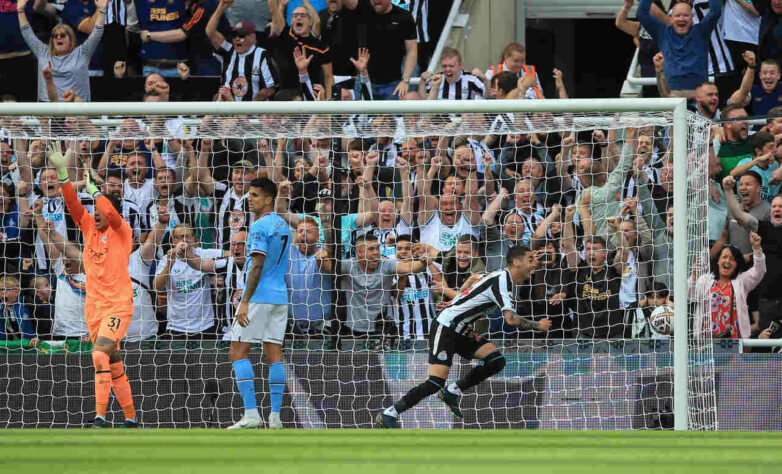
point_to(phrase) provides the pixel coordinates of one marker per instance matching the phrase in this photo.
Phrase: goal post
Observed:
(685, 244)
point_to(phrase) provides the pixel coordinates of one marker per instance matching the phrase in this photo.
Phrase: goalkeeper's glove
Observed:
(58, 161)
(89, 185)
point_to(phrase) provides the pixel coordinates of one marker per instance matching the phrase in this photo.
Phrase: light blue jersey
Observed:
(271, 236)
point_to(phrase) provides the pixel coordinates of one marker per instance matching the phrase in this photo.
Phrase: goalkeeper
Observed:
(108, 242)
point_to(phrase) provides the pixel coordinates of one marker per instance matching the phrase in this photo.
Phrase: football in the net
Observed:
(661, 320)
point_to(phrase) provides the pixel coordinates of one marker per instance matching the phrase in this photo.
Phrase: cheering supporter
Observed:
(389, 32)
(288, 38)
(193, 33)
(458, 264)
(246, 70)
(366, 280)
(764, 164)
(514, 60)
(760, 98)
(161, 17)
(685, 45)
(749, 190)
(453, 83)
(189, 309)
(337, 28)
(68, 62)
(729, 282)
(309, 287)
(413, 307)
(735, 146)
(707, 100)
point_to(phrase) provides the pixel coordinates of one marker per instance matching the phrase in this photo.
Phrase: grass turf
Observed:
(366, 451)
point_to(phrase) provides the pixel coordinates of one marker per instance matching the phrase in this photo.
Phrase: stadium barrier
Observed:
(612, 385)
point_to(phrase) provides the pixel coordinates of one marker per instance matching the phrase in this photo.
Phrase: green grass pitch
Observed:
(369, 451)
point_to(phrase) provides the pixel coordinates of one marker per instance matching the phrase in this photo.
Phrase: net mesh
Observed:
(590, 193)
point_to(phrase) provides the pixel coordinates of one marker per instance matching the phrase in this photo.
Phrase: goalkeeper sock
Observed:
(121, 387)
(276, 385)
(102, 382)
(245, 382)
(418, 393)
(492, 364)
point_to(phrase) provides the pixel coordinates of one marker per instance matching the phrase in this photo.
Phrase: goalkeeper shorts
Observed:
(107, 324)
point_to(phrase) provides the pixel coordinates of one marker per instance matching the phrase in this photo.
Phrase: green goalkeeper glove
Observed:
(58, 161)
(89, 185)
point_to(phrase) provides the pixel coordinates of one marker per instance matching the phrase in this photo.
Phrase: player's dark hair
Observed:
(115, 201)
(404, 238)
(516, 253)
(266, 185)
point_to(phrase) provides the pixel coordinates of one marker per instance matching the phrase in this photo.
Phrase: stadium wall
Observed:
(331, 389)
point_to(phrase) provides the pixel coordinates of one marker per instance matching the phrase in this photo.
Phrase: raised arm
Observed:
(277, 10)
(741, 96)
(568, 245)
(713, 17)
(206, 183)
(91, 43)
(490, 214)
(470, 207)
(540, 231)
(623, 23)
(407, 190)
(314, 17)
(60, 164)
(659, 73)
(216, 38)
(653, 25)
(154, 238)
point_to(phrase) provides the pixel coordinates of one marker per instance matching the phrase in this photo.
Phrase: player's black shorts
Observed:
(444, 342)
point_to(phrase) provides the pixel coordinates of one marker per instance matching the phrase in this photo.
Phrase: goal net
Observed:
(590, 192)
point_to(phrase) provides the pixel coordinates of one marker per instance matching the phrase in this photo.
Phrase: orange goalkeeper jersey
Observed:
(105, 255)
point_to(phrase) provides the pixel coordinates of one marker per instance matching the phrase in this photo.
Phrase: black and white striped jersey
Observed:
(420, 11)
(494, 290)
(246, 74)
(116, 13)
(720, 60)
(413, 308)
(466, 87)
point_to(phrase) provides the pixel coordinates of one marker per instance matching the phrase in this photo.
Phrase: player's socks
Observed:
(492, 364)
(453, 388)
(418, 393)
(245, 382)
(102, 382)
(276, 385)
(121, 387)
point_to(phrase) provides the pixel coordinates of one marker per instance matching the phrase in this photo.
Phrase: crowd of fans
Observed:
(367, 204)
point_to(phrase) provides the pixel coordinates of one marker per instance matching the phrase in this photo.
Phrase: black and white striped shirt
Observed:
(466, 87)
(255, 64)
(419, 9)
(414, 309)
(494, 290)
(720, 60)
(116, 13)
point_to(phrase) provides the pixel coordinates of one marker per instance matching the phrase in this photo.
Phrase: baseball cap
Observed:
(244, 27)
(243, 164)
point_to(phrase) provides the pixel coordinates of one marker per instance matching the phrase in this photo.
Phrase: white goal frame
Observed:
(677, 106)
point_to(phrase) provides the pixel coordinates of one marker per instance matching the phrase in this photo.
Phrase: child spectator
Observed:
(16, 321)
